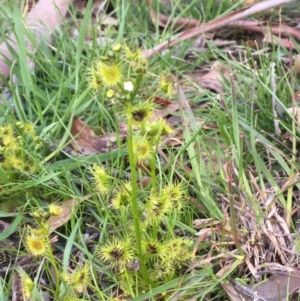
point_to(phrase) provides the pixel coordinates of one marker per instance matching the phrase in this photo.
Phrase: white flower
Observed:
(128, 86)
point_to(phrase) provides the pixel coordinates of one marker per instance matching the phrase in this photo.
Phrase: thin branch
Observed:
(217, 23)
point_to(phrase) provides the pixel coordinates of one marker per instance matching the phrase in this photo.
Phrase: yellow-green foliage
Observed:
(18, 142)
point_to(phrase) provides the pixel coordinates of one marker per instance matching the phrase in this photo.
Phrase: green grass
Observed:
(226, 164)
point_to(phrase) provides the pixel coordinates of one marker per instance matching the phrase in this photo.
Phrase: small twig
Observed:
(22, 263)
(246, 291)
(25, 267)
(216, 24)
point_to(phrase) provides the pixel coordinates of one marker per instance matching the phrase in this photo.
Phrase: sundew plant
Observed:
(147, 253)
(140, 162)
(143, 246)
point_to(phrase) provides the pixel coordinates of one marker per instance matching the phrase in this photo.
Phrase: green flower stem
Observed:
(138, 82)
(134, 204)
(155, 231)
(54, 265)
(153, 173)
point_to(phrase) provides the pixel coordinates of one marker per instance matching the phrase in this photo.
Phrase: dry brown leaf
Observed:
(161, 101)
(213, 80)
(15, 287)
(68, 207)
(277, 288)
(172, 107)
(251, 267)
(231, 292)
(280, 286)
(86, 142)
